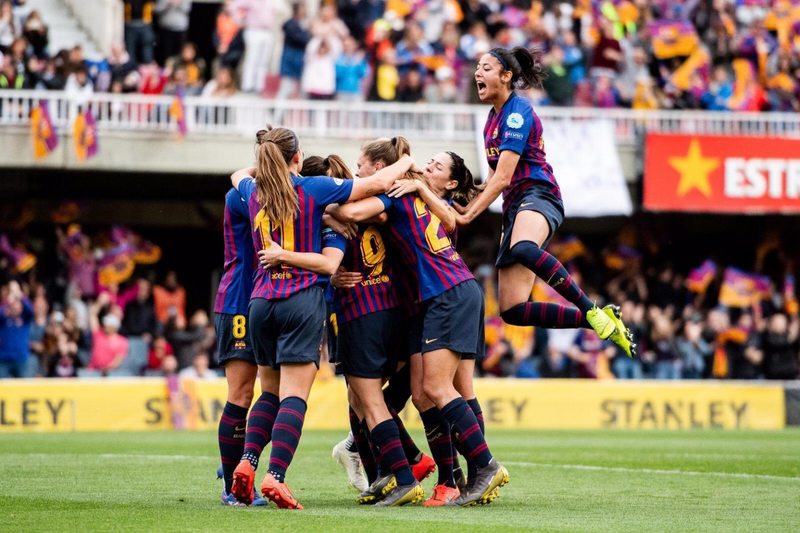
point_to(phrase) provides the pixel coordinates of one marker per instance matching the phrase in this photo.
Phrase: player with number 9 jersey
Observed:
(287, 307)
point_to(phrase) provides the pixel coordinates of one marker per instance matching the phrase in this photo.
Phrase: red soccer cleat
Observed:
(423, 468)
(279, 493)
(442, 495)
(243, 479)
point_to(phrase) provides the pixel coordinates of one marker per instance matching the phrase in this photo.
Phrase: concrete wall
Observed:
(199, 154)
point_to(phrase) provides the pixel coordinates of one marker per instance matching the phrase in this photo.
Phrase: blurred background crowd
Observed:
(107, 304)
(741, 55)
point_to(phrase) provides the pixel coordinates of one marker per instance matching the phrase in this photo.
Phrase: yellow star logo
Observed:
(694, 170)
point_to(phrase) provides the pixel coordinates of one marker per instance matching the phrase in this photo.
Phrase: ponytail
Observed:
(333, 166)
(337, 168)
(466, 189)
(275, 190)
(388, 152)
(525, 66)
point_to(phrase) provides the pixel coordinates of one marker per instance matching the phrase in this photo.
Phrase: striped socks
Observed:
(259, 427)
(437, 431)
(286, 435)
(470, 437)
(230, 435)
(545, 315)
(387, 438)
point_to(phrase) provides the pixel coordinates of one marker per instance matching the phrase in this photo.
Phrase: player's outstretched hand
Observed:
(345, 280)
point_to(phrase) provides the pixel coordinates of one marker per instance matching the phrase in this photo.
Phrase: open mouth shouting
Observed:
(481, 88)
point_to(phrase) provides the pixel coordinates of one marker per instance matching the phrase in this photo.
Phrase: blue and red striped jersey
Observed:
(367, 254)
(424, 247)
(236, 284)
(301, 234)
(518, 128)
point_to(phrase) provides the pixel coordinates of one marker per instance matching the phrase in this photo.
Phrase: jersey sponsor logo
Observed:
(281, 275)
(515, 121)
(514, 135)
(240, 345)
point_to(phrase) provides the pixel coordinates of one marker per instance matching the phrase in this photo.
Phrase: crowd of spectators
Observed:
(682, 332)
(74, 326)
(97, 313)
(644, 54)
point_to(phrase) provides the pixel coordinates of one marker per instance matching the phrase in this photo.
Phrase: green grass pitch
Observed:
(560, 481)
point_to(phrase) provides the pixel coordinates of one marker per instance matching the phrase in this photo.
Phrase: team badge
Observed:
(494, 133)
(515, 121)
(239, 345)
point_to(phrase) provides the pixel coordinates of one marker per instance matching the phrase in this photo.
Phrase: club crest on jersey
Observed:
(515, 121)
(240, 345)
(494, 133)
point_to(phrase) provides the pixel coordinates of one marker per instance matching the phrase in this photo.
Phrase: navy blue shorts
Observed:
(454, 320)
(413, 343)
(233, 338)
(288, 330)
(535, 198)
(369, 346)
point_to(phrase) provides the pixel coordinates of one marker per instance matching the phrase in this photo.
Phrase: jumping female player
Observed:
(532, 206)
(451, 322)
(287, 309)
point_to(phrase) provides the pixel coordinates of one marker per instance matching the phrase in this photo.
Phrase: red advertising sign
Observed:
(722, 174)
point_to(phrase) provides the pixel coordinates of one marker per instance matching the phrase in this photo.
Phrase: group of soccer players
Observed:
(408, 312)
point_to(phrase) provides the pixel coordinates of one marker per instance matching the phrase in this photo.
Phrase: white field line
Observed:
(627, 470)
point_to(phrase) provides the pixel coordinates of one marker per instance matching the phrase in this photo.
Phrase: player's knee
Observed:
(241, 395)
(515, 315)
(525, 251)
(436, 391)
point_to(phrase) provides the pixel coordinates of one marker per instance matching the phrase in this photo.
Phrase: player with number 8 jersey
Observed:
(233, 344)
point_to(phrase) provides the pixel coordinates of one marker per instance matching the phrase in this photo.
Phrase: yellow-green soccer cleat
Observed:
(484, 488)
(600, 322)
(402, 495)
(621, 336)
(379, 489)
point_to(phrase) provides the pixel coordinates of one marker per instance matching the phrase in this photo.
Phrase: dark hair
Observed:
(333, 166)
(525, 66)
(466, 189)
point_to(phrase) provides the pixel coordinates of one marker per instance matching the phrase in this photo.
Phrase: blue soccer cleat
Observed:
(230, 500)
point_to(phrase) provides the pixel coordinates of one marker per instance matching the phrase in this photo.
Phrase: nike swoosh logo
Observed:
(428, 341)
(239, 428)
(526, 204)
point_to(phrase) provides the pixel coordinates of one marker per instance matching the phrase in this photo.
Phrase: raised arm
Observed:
(438, 207)
(325, 263)
(241, 174)
(381, 181)
(357, 211)
(498, 182)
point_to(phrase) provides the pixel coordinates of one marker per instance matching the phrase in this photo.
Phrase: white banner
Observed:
(586, 164)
